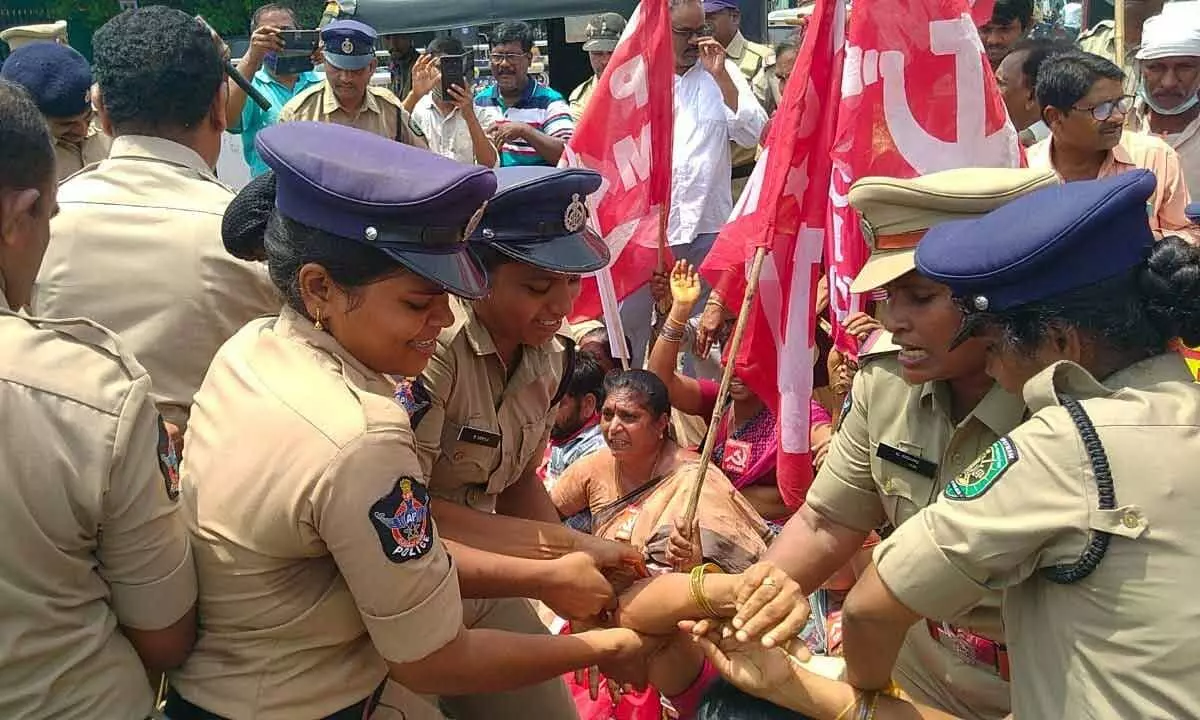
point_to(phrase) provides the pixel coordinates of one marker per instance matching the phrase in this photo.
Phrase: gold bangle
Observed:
(866, 711)
(697, 588)
(853, 704)
(893, 690)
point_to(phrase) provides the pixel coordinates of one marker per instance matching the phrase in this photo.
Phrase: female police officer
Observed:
(1086, 514)
(321, 569)
(916, 417)
(492, 384)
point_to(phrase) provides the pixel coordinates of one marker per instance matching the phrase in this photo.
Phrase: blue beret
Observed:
(539, 216)
(57, 76)
(1193, 212)
(1043, 244)
(415, 206)
(712, 6)
(348, 44)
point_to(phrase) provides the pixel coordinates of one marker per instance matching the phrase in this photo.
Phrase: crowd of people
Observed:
(337, 453)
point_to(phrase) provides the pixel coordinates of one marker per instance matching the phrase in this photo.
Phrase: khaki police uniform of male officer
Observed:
(93, 539)
(350, 45)
(137, 248)
(25, 34)
(70, 158)
(1093, 541)
(898, 445)
(603, 34)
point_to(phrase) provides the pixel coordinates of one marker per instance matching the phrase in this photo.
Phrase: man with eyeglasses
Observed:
(537, 119)
(714, 107)
(59, 81)
(1084, 102)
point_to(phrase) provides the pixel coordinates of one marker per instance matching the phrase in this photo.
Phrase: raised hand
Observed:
(685, 285)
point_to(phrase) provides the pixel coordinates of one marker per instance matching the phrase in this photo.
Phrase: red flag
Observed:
(783, 210)
(625, 135)
(918, 96)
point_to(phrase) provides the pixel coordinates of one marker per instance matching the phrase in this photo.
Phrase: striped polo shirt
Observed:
(541, 107)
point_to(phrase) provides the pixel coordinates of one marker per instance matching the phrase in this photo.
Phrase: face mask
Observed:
(1177, 110)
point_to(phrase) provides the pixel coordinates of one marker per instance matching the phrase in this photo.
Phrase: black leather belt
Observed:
(179, 708)
(743, 171)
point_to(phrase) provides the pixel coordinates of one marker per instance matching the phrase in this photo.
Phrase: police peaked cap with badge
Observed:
(348, 44)
(604, 32)
(56, 76)
(539, 216)
(896, 212)
(1045, 244)
(413, 205)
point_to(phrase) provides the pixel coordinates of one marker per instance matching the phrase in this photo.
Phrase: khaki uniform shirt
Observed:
(580, 97)
(483, 432)
(859, 489)
(315, 548)
(137, 248)
(381, 112)
(1120, 643)
(70, 158)
(1101, 39)
(753, 60)
(92, 536)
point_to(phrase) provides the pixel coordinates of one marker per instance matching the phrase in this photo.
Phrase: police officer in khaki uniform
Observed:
(321, 568)
(136, 246)
(60, 81)
(1085, 515)
(603, 34)
(915, 417)
(491, 389)
(96, 576)
(21, 35)
(347, 97)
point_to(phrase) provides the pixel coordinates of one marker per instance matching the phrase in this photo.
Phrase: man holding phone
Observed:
(444, 109)
(275, 80)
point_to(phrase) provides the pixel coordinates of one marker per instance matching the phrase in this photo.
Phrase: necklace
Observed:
(657, 459)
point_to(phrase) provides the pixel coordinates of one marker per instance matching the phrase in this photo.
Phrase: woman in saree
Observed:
(637, 488)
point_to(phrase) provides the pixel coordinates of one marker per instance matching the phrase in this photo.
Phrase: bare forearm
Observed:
(811, 548)
(550, 148)
(247, 67)
(527, 498)
(874, 624)
(820, 697)
(493, 661)
(409, 103)
(483, 574)
(655, 606)
(504, 535)
(485, 151)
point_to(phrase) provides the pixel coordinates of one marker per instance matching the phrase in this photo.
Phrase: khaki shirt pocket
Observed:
(465, 464)
(902, 492)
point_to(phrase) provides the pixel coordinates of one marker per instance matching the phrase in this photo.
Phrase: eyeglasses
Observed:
(704, 30)
(1105, 110)
(511, 58)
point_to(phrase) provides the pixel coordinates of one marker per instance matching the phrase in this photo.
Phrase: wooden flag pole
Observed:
(726, 378)
(1119, 33)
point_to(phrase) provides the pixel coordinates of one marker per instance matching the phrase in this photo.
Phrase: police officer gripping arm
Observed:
(322, 570)
(1085, 514)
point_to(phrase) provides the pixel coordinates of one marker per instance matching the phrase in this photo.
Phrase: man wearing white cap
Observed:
(1169, 94)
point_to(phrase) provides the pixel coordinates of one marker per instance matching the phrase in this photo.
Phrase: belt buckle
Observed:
(964, 648)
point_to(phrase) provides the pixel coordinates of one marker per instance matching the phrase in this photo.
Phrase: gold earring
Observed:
(317, 323)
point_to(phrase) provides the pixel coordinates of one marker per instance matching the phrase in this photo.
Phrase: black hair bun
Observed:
(244, 226)
(1170, 285)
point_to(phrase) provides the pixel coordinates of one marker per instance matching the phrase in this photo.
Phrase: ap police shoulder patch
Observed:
(984, 472)
(401, 520)
(168, 461)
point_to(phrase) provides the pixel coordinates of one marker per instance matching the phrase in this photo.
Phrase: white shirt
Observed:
(448, 135)
(701, 189)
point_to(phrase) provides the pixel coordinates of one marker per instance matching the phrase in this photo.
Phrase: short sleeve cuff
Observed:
(422, 629)
(845, 504)
(159, 604)
(919, 574)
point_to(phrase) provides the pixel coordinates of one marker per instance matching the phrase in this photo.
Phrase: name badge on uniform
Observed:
(908, 461)
(737, 456)
(475, 436)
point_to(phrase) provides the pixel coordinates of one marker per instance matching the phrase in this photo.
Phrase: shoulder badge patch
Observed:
(984, 472)
(168, 461)
(401, 520)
